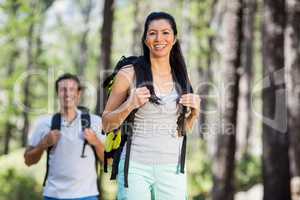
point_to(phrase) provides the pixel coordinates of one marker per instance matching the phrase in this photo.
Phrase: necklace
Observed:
(69, 123)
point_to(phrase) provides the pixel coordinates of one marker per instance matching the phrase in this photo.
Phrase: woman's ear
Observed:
(175, 40)
(145, 42)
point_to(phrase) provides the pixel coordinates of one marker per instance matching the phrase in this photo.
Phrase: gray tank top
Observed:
(155, 139)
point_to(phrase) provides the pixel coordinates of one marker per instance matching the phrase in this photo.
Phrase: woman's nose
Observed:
(158, 37)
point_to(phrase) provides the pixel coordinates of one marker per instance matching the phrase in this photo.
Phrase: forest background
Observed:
(243, 57)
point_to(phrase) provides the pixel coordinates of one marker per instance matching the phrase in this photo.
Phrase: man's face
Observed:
(68, 93)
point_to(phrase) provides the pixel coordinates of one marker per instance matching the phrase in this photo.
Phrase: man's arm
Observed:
(100, 150)
(33, 155)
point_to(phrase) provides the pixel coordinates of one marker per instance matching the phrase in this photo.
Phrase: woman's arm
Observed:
(190, 121)
(119, 105)
(193, 102)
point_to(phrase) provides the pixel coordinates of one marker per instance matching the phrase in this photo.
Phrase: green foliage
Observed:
(200, 178)
(248, 172)
(60, 42)
(199, 171)
(200, 20)
(15, 160)
(18, 186)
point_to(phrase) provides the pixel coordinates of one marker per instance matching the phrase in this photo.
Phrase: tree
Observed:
(292, 64)
(30, 66)
(105, 57)
(186, 27)
(276, 177)
(206, 54)
(140, 8)
(37, 9)
(245, 112)
(82, 59)
(224, 161)
(9, 126)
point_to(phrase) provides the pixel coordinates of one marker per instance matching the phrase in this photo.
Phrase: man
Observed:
(71, 175)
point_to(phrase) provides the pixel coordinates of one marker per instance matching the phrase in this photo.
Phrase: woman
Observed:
(161, 118)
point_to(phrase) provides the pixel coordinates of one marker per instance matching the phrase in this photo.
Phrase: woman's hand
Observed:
(139, 96)
(192, 101)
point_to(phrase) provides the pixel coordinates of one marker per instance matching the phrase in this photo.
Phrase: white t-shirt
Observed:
(70, 175)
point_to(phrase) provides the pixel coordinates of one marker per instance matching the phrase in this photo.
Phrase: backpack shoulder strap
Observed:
(56, 121)
(183, 154)
(85, 123)
(55, 125)
(85, 120)
(139, 72)
(108, 81)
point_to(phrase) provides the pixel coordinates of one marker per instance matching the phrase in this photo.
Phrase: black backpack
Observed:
(141, 73)
(85, 123)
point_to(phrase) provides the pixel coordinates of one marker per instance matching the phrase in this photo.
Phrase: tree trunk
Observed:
(205, 73)
(44, 6)
(8, 133)
(8, 130)
(105, 61)
(83, 46)
(10, 70)
(32, 58)
(140, 8)
(81, 60)
(245, 112)
(105, 57)
(186, 28)
(292, 63)
(276, 177)
(26, 101)
(224, 163)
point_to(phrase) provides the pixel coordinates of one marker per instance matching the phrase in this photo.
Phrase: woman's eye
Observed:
(152, 33)
(166, 33)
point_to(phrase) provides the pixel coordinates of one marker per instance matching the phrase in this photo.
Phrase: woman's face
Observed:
(160, 38)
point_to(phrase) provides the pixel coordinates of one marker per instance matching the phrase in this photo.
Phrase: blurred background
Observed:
(243, 57)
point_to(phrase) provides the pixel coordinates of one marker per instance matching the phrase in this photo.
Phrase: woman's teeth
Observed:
(159, 46)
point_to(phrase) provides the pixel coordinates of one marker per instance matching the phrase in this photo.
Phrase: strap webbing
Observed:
(183, 154)
(55, 125)
(127, 157)
(117, 156)
(85, 123)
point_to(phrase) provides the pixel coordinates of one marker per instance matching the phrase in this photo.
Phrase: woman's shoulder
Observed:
(127, 72)
(124, 79)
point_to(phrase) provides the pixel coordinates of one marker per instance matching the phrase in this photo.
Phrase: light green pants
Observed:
(152, 182)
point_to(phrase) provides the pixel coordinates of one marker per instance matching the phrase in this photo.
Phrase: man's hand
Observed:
(91, 137)
(51, 139)
(33, 154)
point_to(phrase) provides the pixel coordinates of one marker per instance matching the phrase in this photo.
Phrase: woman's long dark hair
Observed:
(178, 66)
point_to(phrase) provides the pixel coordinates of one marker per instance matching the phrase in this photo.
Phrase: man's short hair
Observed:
(68, 76)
